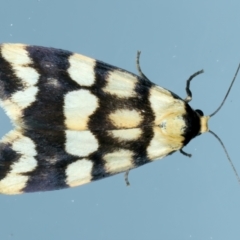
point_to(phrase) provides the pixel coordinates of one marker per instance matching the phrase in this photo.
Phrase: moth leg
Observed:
(184, 153)
(141, 74)
(126, 177)
(189, 93)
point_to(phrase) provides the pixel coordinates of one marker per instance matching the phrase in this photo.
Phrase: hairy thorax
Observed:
(173, 126)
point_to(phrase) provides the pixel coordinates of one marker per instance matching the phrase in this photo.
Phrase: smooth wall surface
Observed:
(174, 198)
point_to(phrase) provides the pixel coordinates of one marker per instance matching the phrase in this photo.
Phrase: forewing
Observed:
(53, 89)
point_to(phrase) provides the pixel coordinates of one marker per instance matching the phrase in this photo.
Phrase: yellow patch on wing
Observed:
(173, 125)
(126, 134)
(12, 110)
(80, 143)
(81, 69)
(121, 84)
(125, 118)
(118, 161)
(162, 101)
(79, 172)
(162, 144)
(78, 106)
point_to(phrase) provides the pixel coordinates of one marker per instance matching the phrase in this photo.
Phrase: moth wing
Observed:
(77, 119)
(34, 160)
(46, 88)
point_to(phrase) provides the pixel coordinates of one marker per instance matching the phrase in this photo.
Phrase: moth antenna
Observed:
(226, 93)
(229, 159)
(216, 136)
(189, 93)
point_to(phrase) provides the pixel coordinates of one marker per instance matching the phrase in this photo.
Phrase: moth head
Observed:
(203, 121)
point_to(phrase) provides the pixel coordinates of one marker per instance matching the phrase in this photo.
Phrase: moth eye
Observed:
(200, 112)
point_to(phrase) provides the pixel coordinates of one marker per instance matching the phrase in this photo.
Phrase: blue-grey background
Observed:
(174, 198)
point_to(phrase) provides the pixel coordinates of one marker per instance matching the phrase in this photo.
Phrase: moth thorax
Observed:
(204, 124)
(173, 125)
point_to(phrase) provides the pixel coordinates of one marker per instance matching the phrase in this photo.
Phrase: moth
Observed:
(78, 120)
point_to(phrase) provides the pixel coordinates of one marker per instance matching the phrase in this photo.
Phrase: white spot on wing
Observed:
(28, 74)
(81, 70)
(125, 118)
(79, 172)
(78, 106)
(17, 56)
(53, 82)
(13, 184)
(24, 146)
(15, 181)
(80, 143)
(121, 84)
(24, 165)
(119, 161)
(25, 98)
